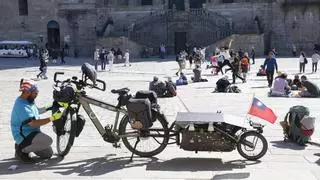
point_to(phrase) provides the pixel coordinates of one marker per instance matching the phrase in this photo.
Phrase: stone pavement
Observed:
(92, 158)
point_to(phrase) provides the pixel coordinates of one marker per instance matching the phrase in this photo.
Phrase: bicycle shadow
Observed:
(198, 164)
(88, 167)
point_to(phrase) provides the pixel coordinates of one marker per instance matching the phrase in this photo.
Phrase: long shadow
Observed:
(318, 161)
(104, 165)
(198, 164)
(287, 145)
(231, 176)
(89, 167)
(259, 87)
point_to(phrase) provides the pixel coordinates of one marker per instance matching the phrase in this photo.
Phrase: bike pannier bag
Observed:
(151, 95)
(139, 112)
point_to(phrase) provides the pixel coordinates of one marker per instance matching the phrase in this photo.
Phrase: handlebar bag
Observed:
(65, 94)
(139, 112)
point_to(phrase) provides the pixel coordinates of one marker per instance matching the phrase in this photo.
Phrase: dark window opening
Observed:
(146, 2)
(196, 4)
(23, 7)
(227, 1)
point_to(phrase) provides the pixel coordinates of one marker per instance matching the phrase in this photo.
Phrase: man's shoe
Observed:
(23, 157)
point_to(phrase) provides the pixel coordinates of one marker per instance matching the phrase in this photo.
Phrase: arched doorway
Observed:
(53, 35)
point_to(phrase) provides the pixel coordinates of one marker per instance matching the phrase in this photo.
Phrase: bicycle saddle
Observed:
(121, 91)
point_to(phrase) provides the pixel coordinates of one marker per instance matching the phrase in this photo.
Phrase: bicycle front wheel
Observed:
(150, 142)
(66, 138)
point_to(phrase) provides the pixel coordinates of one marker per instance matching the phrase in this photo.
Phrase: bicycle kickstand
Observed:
(135, 146)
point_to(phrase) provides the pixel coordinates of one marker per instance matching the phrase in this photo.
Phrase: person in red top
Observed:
(245, 65)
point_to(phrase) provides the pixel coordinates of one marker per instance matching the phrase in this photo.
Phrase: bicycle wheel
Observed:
(152, 141)
(66, 138)
(259, 142)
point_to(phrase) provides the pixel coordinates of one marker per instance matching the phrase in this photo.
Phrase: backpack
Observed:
(300, 125)
(245, 62)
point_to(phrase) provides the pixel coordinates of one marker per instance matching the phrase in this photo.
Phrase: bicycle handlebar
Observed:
(55, 76)
(79, 83)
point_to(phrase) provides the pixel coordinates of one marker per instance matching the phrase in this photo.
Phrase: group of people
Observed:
(301, 85)
(163, 89)
(303, 61)
(105, 56)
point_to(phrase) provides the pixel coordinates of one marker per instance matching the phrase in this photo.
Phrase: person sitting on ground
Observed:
(308, 89)
(222, 84)
(197, 75)
(296, 83)
(170, 88)
(182, 80)
(157, 86)
(262, 71)
(280, 86)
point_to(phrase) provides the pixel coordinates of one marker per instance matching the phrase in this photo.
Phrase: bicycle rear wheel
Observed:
(66, 138)
(152, 141)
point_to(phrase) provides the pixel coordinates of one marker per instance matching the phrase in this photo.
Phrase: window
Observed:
(146, 2)
(23, 7)
(227, 1)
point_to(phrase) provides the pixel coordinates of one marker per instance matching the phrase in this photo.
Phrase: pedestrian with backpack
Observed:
(302, 61)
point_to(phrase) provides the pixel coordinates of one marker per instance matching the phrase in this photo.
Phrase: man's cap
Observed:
(28, 85)
(155, 78)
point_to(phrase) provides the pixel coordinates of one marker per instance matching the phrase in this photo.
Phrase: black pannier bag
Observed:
(139, 112)
(151, 95)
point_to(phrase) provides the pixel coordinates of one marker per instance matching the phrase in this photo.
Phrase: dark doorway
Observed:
(178, 3)
(53, 35)
(196, 4)
(180, 39)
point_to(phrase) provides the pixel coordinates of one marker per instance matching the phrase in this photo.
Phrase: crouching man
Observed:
(26, 122)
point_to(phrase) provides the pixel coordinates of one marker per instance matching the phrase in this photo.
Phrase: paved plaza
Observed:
(92, 158)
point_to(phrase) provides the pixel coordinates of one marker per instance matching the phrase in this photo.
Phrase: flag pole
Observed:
(247, 115)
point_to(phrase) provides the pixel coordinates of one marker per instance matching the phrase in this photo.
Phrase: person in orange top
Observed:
(245, 65)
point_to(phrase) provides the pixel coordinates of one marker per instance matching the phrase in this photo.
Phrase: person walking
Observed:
(253, 55)
(96, 58)
(302, 62)
(236, 69)
(270, 64)
(126, 58)
(245, 66)
(44, 59)
(62, 54)
(315, 59)
(110, 60)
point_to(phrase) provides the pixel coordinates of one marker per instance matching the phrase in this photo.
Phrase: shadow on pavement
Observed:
(88, 167)
(259, 87)
(231, 176)
(198, 164)
(287, 145)
(104, 165)
(318, 161)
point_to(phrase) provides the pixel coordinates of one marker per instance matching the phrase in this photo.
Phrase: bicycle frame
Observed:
(86, 101)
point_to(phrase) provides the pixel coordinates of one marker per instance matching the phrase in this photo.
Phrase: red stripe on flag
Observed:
(266, 114)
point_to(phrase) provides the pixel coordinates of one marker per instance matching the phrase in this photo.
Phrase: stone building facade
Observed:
(139, 24)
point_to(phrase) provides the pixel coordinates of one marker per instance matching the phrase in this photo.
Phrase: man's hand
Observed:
(55, 116)
(45, 108)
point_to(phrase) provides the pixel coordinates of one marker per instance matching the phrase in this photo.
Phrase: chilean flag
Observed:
(262, 111)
